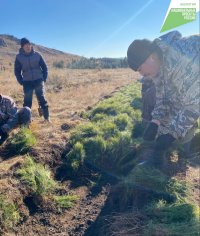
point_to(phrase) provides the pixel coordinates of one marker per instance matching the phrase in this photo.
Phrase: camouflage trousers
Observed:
(22, 117)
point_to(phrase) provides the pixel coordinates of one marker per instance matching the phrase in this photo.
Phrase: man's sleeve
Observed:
(44, 68)
(17, 71)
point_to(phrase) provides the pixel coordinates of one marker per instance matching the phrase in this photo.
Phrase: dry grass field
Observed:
(68, 92)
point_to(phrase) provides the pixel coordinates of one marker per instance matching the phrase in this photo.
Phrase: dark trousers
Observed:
(38, 87)
(148, 100)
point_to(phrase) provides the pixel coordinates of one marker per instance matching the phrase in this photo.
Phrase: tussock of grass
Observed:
(66, 201)
(122, 122)
(180, 218)
(82, 131)
(173, 213)
(148, 177)
(108, 129)
(22, 141)
(36, 177)
(179, 188)
(106, 141)
(76, 155)
(95, 148)
(9, 216)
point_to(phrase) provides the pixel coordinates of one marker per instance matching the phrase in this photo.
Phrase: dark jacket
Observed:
(30, 67)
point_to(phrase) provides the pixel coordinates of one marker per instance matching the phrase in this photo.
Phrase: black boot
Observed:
(45, 111)
(4, 136)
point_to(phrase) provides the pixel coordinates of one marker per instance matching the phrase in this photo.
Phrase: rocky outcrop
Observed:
(2, 43)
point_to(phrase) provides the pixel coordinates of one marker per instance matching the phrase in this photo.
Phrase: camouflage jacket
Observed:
(178, 84)
(7, 109)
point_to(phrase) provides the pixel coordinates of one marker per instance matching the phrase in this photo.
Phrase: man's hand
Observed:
(150, 132)
(163, 142)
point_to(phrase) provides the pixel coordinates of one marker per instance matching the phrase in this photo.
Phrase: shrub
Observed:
(36, 177)
(9, 215)
(21, 142)
(58, 64)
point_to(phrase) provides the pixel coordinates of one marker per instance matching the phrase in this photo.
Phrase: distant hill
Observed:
(9, 47)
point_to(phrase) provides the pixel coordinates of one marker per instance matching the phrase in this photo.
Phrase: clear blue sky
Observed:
(91, 28)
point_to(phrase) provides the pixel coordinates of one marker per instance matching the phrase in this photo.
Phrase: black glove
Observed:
(163, 142)
(150, 132)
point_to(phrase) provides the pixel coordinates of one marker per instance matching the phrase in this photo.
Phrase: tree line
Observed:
(94, 63)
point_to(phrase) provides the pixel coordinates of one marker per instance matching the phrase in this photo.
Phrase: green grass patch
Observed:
(66, 201)
(36, 177)
(148, 177)
(180, 218)
(22, 141)
(76, 156)
(9, 215)
(106, 140)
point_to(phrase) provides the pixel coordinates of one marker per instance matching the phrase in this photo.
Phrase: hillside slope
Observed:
(9, 47)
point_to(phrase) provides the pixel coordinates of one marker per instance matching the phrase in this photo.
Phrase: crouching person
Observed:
(11, 117)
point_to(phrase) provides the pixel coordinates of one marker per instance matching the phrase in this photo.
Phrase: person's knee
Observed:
(25, 115)
(27, 102)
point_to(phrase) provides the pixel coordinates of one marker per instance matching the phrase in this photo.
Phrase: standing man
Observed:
(172, 63)
(31, 72)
